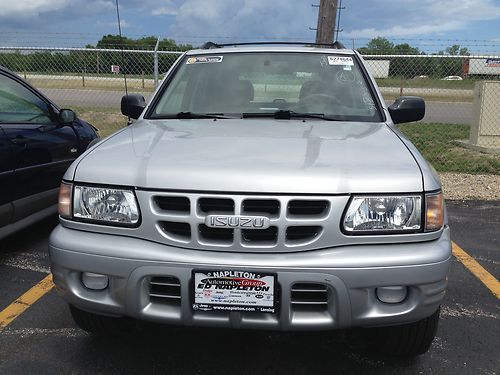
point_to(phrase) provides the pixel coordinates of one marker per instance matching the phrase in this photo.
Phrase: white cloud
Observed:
(27, 8)
(245, 18)
(430, 17)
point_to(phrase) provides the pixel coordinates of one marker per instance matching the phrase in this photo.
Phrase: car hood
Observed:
(254, 155)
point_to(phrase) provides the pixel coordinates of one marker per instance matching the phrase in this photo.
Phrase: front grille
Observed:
(295, 223)
(309, 297)
(165, 290)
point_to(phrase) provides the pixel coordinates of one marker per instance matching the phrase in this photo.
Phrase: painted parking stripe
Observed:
(477, 270)
(24, 302)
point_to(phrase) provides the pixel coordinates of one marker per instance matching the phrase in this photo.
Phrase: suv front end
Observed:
(285, 217)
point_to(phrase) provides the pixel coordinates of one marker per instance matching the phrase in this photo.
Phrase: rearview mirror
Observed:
(132, 105)
(66, 116)
(407, 109)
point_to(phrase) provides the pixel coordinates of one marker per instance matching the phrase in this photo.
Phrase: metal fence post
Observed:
(155, 63)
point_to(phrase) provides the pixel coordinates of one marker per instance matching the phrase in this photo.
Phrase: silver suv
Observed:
(263, 187)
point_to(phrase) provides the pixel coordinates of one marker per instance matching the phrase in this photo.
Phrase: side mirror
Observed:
(66, 116)
(407, 109)
(132, 105)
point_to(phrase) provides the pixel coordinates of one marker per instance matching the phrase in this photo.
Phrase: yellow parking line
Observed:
(477, 270)
(24, 302)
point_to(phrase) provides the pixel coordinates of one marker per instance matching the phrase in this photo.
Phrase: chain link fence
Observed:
(460, 132)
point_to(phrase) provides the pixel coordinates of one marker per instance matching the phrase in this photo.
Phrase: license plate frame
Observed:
(234, 290)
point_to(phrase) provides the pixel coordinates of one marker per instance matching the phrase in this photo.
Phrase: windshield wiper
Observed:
(287, 115)
(191, 115)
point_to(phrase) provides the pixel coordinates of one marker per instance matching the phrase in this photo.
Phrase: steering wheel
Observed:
(319, 102)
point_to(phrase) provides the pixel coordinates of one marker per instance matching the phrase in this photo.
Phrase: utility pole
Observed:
(326, 21)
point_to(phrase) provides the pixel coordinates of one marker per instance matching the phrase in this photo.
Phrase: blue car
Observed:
(38, 141)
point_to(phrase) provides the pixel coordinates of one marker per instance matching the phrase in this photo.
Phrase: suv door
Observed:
(41, 147)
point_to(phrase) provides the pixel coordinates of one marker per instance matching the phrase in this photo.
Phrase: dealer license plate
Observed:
(231, 290)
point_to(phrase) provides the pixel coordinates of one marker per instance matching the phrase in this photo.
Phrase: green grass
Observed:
(434, 83)
(107, 120)
(437, 143)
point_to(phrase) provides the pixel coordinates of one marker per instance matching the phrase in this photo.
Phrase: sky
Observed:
(429, 24)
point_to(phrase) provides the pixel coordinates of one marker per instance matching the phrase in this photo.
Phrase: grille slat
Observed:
(302, 233)
(175, 205)
(260, 235)
(165, 290)
(209, 234)
(307, 207)
(181, 231)
(309, 296)
(269, 207)
(216, 205)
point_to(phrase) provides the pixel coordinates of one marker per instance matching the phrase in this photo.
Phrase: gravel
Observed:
(470, 186)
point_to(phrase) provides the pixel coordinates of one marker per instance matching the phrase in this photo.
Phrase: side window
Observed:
(18, 104)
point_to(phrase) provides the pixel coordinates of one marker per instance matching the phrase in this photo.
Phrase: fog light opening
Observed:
(95, 281)
(392, 294)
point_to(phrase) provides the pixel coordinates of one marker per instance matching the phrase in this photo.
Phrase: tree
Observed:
(378, 45)
(456, 50)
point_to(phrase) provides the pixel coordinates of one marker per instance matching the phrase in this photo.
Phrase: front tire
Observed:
(407, 340)
(99, 324)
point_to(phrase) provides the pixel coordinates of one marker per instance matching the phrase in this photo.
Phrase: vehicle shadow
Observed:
(163, 349)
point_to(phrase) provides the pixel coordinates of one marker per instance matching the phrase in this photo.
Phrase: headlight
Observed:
(105, 205)
(371, 214)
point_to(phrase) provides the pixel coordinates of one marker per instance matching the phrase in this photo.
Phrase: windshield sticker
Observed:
(340, 60)
(204, 60)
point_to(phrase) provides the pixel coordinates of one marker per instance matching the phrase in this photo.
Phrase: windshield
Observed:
(246, 84)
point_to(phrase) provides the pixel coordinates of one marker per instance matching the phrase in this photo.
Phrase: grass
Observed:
(107, 120)
(91, 84)
(434, 83)
(437, 142)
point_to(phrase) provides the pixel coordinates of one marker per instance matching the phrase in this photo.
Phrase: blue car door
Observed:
(41, 147)
(6, 180)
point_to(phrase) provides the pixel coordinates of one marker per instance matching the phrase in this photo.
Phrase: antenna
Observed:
(123, 57)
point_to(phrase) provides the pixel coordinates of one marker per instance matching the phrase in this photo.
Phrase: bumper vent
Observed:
(165, 290)
(309, 297)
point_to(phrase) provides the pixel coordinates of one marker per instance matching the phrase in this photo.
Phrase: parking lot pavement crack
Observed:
(25, 261)
(52, 332)
(458, 310)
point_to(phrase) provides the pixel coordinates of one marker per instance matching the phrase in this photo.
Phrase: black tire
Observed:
(407, 340)
(100, 324)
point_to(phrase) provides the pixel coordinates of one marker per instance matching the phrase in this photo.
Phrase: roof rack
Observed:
(212, 45)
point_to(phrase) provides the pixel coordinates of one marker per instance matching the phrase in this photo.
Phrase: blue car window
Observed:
(19, 105)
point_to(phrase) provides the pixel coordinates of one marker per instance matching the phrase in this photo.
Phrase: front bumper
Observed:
(351, 275)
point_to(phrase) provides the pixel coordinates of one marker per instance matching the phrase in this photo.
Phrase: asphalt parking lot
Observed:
(44, 339)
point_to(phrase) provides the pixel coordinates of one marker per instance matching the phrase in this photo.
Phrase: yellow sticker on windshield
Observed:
(203, 60)
(340, 60)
